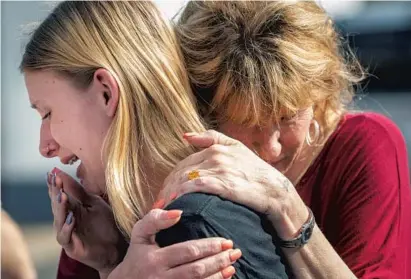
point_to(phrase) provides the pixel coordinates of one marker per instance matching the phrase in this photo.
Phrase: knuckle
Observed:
(223, 172)
(215, 246)
(153, 215)
(210, 132)
(216, 159)
(193, 251)
(223, 261)
(217, 149)
(197, 270)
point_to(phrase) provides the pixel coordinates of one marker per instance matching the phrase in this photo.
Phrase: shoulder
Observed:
(369, 127)
(207, 215)
(367, 153)
(365, 136)
(212, 207)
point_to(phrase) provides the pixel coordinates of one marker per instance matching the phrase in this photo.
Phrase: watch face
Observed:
(306, 235)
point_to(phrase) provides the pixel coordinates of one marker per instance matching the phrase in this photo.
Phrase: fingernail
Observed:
(59, 196)
(159, 204)
(228, 271)
(48, 178)
(69, 218)
(53, 179)
(173, 196)
(189, 135)
(235, 255)
(174, 214)
(55, 170)
(227, 244)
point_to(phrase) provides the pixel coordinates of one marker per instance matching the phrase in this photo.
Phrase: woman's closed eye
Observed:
(287, 118)
(47, 115)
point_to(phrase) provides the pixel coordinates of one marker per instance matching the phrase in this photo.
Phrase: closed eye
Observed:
(46, 116)
(288, 118)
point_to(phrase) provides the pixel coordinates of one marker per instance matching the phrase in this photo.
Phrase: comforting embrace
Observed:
(218, 146)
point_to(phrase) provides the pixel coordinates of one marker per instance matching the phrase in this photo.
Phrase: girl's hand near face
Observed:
(84, 224)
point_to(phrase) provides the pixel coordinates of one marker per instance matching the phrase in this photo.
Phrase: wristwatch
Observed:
(304, 233)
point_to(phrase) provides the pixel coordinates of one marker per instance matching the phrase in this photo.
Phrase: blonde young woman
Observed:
(108, 80)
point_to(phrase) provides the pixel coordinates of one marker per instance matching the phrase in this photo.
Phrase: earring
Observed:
(310, 141)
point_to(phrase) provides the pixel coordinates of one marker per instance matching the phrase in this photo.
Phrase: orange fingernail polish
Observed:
(226, 244)
(173, 196)
(159, 204)
(235, 255)
(174, 214)
(228, 271)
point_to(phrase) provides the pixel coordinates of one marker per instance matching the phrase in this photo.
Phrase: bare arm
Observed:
(317, 259)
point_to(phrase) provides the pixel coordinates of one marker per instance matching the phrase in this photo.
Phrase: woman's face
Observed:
(74, 121)
(279, 145)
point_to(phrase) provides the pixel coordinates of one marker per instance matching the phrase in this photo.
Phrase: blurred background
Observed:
(378, 32)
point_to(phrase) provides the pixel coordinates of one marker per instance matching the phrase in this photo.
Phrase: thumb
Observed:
(209, 138)
(156, 220)
(71, 187)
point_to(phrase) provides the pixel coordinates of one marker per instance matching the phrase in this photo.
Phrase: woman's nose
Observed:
(48, 147)
(268, 146)
(48, 150)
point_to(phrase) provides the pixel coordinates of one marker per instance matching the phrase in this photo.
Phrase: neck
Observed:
(310, 153)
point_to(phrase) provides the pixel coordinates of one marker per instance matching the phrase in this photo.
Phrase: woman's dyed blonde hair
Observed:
(132, 40)
(254, 61)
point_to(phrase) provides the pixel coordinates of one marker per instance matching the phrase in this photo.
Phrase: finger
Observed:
(209, 138)
(173, 190)
(55, 192)
(48, 182)
(156, 220)
(205, 184)
(64, 237)
(190, 162)
(212, 156)
(73, 188)
(60, 205)
(192, 250)
(209, 266)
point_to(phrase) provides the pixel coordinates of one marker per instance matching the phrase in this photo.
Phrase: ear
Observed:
(108, 90)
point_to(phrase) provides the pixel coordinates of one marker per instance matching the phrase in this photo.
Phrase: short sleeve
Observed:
(374, 202)
(214, 217)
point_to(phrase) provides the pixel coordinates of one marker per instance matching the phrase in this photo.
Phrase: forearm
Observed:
(317, 259)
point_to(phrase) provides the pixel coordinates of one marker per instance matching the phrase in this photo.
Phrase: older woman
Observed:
(335, 184)
(272, 75)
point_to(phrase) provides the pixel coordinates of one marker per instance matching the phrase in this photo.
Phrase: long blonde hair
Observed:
(253, 61)
(132, 41)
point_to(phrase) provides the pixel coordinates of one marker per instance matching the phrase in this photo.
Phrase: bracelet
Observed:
(304, 234)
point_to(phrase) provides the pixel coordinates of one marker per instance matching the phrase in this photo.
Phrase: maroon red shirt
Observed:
(359, 190)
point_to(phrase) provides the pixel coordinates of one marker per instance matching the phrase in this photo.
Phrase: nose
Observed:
(268, 143)
(48, 147)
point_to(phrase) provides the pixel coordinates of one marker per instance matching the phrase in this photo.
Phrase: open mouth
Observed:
(73, 160)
